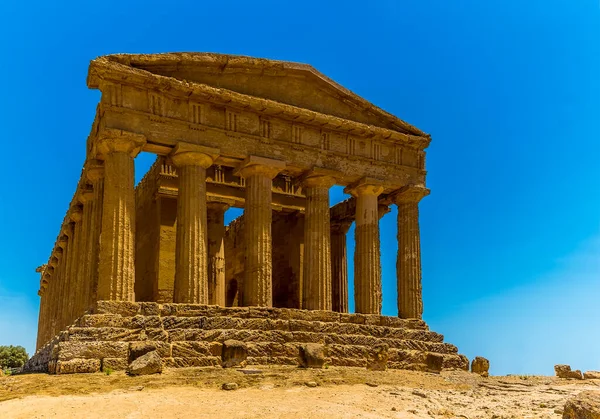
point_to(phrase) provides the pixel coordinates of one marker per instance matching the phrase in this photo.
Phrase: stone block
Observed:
(353, 318)
(311, 355)
(103, 334)
(149, 309)
(191, 349)
(65, 351)
(76, 366)
(456, 362)
(308, 337)
(154, 334)
(114, 364)
(591, 375)
(103, 320)
(124, 308)
(585, 405)
(234, 353)
(481, 366)
(377, 357)
(205, 361)
(137, 349)
(146, 322)
(564, 371)
(434, 362)
(149, 363)
(173, 322)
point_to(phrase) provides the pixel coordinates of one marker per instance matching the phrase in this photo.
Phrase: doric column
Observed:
(54, 310)
(76, 273)
(86, 198)
(316, 293)
(191, 274)
(408, 265)
(216, 253)
(66, 242)
(339, 265)
(94, 171)
(116, 273)
(42, 317)
(367, 264)
(258, 275)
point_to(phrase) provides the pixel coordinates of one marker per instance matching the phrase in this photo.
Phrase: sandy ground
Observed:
(283, 393)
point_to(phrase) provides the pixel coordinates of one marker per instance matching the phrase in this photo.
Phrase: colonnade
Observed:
(94, 257)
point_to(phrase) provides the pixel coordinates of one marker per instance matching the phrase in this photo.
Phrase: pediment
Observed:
(294, 84)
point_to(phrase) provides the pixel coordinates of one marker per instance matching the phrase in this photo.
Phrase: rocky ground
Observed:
(286, 392)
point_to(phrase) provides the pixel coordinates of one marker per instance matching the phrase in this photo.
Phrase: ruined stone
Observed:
(311, 355)
(146, 364)
(74, 366)
(434, 362)
(234, 353)
(564, 371)
(591, 375)
(378, 357)
(137, 349)
(229, 386)
(480, 366)
(114, 364)
(585, 405)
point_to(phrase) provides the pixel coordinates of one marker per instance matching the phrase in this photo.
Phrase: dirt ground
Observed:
(286, 392)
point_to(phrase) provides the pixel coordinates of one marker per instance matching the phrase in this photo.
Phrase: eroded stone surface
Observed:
(480, 366)
(564, 371)
(311, 355)
(149, 363)
(234, 353)
(585, 405)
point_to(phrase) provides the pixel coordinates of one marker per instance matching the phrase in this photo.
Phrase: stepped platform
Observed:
(189, 335)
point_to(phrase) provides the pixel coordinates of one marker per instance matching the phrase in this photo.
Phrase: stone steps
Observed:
(188, 335)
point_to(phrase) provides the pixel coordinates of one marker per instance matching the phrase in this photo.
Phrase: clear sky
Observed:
(508, 89)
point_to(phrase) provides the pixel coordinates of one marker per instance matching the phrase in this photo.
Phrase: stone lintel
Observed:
(94, 170)
(218, 205)
(365, 186)
(186, 154)
(319, 176)
(118, 141)
(261, 165)
(410, 193)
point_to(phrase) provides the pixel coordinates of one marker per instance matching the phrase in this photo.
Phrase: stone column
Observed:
(66, 277)
(216, 253)
(191, 273)
(86, 198)
(367, 264)
(316, 292)
(258, 271)
(116, 271)
(94, 171)
(339, 265)
(408, 265)
(76, 273)
(41, 317)
(58, 261)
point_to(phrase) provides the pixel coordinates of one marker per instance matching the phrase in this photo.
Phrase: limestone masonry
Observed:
(153, 267)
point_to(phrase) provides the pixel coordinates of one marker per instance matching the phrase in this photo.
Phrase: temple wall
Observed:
(166, 251)
(234, 261)
(288, 253)
(146, 239)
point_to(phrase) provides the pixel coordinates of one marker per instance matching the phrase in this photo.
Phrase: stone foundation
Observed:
(190, 335)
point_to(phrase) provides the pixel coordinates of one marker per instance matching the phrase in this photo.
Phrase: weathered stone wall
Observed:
(288, 256)
(166, 251)
(234, 262)
(189, 335)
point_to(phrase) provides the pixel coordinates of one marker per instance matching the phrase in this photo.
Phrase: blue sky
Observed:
(509, 91)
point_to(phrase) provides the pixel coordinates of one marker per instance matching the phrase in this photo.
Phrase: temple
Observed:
(267, 136)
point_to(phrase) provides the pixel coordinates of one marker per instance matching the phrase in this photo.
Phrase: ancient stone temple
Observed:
(154, 265)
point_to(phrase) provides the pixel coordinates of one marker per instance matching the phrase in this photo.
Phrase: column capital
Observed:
(409, 193)
(57, 254)
(62, 241)
(217, 206)
(340, 226)
(365, 186)
(85, 195)
(75, 214)
(53, 260)
(94, 170)
(319, 177)
(382, 209)
(253, 165)
(186, 154)
(119, 141)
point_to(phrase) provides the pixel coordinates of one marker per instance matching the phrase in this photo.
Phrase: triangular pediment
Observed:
(294, 84)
